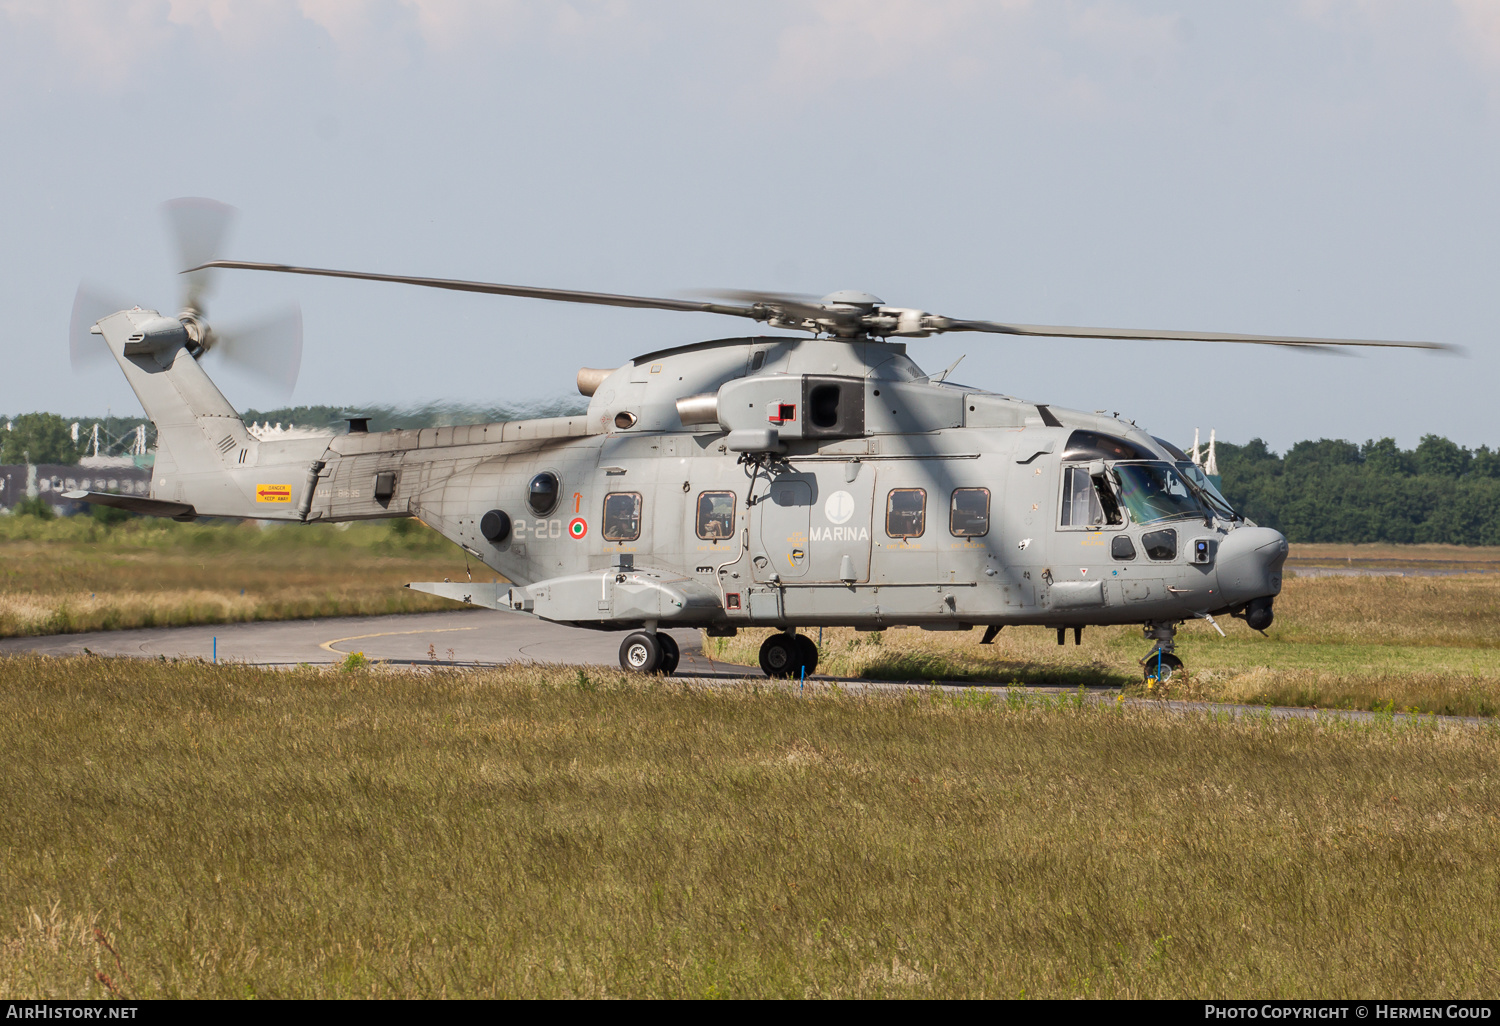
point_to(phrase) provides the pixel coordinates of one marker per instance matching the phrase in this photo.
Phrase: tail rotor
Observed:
(269, 347)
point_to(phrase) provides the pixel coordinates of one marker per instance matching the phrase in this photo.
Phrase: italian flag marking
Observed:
(578, 527)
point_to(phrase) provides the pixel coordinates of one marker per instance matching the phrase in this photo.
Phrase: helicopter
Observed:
(767, 480)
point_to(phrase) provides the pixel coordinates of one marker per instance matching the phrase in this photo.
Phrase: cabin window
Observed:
(542, 493)
(1121, 547)
(906, 513)
(715, 515)
(969, 514)
(1160, 545)
(1080, 501)
(622, 516)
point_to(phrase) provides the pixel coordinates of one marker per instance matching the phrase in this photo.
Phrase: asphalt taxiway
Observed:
(484, 637)
(464, 637)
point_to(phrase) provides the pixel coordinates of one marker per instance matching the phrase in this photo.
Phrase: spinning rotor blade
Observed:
(847, 314)
(198, 227)
(90, 303)
(1293, 341)
(524, 291)
(269, 349)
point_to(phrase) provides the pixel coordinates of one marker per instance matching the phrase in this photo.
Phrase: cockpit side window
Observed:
(1088, 501)
(1080, 502)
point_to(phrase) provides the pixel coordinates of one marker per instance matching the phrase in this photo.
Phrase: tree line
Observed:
(1336, 491)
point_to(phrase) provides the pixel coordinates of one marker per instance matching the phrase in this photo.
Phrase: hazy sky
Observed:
(1319, 167)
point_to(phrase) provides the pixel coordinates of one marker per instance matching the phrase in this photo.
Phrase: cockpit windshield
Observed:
(1155, 491)
(1221, 507)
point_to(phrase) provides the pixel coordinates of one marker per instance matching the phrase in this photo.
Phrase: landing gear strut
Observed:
(1160, 663)
(788, 654)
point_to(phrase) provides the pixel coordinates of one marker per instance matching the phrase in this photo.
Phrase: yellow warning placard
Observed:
(273, 493)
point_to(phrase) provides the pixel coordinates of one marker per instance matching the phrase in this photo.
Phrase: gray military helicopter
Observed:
(765, 480)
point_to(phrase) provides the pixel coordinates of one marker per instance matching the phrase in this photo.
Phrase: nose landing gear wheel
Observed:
(640, 652)
(670, 653)
(1160, 666)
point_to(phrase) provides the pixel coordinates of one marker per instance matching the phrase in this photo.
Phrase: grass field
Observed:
(64, 576)
(1424, 644)
(219, 831)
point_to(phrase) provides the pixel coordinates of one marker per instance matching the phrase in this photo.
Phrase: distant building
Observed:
(92, 474)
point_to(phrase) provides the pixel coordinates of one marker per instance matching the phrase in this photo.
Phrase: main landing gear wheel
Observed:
(670, 653)
(788, 655)
(1160, 666)
(641, 652)
(808, 651)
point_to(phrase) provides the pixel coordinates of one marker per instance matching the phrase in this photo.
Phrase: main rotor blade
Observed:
(270, 348)
(809, 308)
(90, 303)
(198, 228)
(1293, 341)
(491, 288)
(764, 306)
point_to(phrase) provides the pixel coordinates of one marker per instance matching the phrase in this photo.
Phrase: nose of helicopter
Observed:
(1249, 571)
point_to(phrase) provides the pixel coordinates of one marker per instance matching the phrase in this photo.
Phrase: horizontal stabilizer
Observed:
(473, 593)
(135, 504)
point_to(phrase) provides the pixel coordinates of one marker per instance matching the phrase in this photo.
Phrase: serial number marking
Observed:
(541, 530)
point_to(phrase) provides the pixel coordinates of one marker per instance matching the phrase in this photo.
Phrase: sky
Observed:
(1308, 167)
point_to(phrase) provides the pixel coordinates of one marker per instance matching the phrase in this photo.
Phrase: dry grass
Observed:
(1424, 644)
(1380, 554)
(67, 576)
(198, 831)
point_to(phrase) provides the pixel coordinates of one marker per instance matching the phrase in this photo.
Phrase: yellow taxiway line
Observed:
(327, 646)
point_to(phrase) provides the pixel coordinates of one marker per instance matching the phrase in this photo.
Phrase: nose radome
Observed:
(1249, 564)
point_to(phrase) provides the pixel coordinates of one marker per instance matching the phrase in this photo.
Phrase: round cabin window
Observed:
(542, 493)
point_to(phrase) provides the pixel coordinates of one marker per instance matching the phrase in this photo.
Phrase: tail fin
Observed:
(205, 458)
